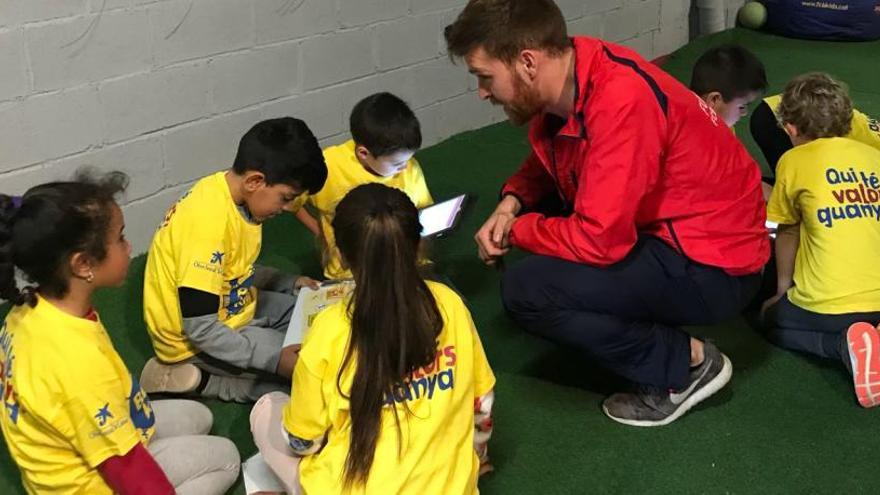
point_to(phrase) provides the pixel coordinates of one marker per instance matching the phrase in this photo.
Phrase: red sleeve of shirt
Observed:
(627, 134)
(135, 473)
(530, 184)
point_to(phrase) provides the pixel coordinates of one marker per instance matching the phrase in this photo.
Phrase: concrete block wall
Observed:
(651, 27)
(163, 89)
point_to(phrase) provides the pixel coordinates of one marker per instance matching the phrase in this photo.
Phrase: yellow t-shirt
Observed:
(69, 402)
(204, 243)
(864, 128)
(831, 187)
(344, 173)
(438, 454)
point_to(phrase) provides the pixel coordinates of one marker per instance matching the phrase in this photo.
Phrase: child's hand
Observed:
(766, 190)
(306, 282)
(287, 361)
(769, 303)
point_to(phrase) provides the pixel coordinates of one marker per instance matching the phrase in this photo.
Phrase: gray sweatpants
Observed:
(195, 462)
(258, 344)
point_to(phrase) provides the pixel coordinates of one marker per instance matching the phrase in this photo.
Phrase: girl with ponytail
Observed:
(392, 391)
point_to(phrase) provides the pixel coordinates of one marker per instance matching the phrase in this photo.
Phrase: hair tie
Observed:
(382, 209)
(16, 202)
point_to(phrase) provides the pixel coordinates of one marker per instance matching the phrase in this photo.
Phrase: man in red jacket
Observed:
(657, 218)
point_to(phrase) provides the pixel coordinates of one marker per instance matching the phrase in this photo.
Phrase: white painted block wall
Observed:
(163, 89)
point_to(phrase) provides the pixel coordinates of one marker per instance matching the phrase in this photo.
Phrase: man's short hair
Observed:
(504, 28)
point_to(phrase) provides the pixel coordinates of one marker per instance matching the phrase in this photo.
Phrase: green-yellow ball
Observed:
(753, 15)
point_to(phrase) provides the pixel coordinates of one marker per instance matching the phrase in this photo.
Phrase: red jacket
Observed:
(640, 154)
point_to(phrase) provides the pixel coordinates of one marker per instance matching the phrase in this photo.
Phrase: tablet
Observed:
(441, 217)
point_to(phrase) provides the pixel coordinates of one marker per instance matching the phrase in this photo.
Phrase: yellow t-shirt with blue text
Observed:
(204, 243)
(69, 402)
(831, 187)
(864, 128)
(437, 453)
(344, 173)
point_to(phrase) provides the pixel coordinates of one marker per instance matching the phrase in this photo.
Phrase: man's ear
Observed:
(527, 64)
(253, 180)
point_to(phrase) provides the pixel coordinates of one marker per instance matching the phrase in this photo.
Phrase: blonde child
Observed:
(827, 203)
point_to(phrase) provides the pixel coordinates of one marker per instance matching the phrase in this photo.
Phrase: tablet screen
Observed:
(441, 216)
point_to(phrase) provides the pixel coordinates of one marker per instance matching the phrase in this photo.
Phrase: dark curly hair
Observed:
(40, 231)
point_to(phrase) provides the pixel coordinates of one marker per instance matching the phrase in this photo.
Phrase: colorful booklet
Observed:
(309, 303)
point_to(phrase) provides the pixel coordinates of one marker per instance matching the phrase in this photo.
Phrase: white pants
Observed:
(194, 462)
(269, 437)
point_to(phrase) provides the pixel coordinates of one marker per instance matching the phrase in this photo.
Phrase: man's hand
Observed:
(493, 238)
(287, 361)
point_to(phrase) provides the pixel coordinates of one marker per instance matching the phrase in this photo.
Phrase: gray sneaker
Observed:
(650, 406)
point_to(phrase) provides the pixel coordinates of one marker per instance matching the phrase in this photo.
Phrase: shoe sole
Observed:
(699, 395)
(159, 378)
(863, 343)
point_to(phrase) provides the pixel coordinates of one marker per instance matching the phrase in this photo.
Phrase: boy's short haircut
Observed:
(383, 123)
(730, 70)
(818, 105)
(285, 151)
(504, 28)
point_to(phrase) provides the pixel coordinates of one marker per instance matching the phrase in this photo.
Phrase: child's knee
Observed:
(225, 455)
(266, 408)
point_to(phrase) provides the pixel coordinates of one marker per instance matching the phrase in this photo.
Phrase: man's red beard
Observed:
(524, 105)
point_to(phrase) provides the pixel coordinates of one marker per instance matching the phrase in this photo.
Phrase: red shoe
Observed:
(863, 342)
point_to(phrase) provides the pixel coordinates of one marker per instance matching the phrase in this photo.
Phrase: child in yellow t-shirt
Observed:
(774, 142)
(385, 135)
(73, 417)
(215, 318)
(391, 383)
(827, 203)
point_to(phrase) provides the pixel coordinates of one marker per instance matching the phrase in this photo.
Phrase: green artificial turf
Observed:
(785, 423)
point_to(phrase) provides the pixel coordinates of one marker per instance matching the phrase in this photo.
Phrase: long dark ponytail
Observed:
(42, 229)
(395, 321)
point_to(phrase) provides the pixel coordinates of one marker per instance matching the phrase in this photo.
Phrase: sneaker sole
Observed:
(863, 343)
(169, 378)
(701, 394)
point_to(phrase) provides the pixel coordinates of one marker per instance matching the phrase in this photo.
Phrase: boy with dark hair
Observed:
(825, 201)
(216, 320)
(728, 78)
(385, 135)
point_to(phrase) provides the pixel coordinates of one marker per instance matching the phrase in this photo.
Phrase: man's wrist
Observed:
(509, 204)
